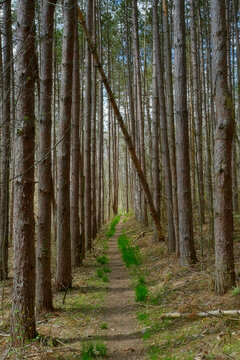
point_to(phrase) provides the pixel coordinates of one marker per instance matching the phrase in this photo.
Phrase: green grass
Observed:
(130, 254)
(141, 290)
(103, 325)
(103, 260)
(112, 227)
(236, 291)
(92, 350)
(101, 274)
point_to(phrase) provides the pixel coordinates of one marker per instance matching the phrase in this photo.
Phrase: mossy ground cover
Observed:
(70, 331)
(175, 289)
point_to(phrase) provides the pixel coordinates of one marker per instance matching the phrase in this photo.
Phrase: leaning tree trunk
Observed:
(127, 138)
(45, 188)
(223, 218)
(5, 139)
(23, 309)
(186, 242)
(64, 272)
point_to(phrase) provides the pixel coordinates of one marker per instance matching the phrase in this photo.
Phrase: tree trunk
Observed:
(163, 131)
(170, 116)
(64, 271)
(23, 308)
(88, 132)
(223, 218)
(5, 139)
(75, 173)
(45, 188)
(186, 242)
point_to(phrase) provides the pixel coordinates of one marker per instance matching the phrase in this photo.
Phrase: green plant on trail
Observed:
(130, 254)
(141, 290)
(92, 350)
(112, 227)
(101, 274)
(106, 269)
(103, 260)
(103, 325)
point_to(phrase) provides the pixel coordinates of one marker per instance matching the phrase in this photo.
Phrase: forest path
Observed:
(123, 335)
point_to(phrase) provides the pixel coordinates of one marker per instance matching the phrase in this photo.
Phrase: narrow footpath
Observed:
(124, 337)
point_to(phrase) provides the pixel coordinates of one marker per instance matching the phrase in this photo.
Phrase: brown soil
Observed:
(123, 334)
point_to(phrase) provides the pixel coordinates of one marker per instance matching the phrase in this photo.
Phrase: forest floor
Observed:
(115, 311)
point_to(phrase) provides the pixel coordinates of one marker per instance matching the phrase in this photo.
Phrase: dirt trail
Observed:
(123, 334)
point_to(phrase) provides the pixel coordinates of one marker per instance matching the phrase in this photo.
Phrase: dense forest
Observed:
(118, 115)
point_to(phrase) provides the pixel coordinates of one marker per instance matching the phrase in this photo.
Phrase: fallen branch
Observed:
(127, 137)
(193, 314)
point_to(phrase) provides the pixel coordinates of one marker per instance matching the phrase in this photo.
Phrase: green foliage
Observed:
(92, 350)
(142, 317)
(103, 325)
(236, 291)
(130, 255)
(106, 269)
(112, 227)
(101, 275)
(141, 290)
(103, 260)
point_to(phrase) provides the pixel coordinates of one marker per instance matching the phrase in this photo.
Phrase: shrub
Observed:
(141, 290)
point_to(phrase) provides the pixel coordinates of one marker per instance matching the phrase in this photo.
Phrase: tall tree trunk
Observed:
(88, 131)
(223, 218)
(5, 139)
(45, 188)
(64, 271)
(163, 130)
(94, 139)
(186, 242)
(75, 172)
(23, 308)
(170, 116)
(155, 138)
(139, 105)
(197, 108)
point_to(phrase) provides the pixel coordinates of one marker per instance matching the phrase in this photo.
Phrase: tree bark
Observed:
(186, 242)
(163, 131)
(23, 306)
(88, 132)
(75, 171)
(5, 139)
(224, 131)
(64, 271)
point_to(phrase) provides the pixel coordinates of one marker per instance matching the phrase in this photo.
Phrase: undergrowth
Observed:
(112, 227)
(141, 290)
(130, 254)
(92, 350)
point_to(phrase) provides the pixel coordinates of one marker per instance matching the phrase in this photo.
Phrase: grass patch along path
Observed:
(123, 334)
